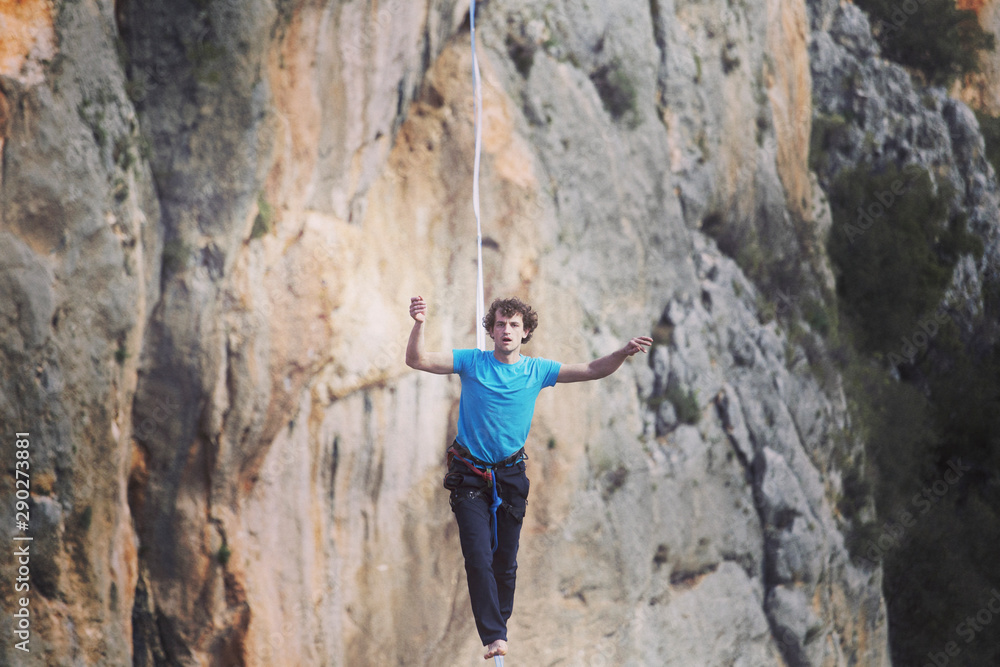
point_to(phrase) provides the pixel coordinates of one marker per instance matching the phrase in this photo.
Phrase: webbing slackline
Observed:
(480, 304)
(478, 94)
(480, 299)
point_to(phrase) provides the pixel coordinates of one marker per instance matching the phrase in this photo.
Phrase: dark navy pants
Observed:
(491, 575)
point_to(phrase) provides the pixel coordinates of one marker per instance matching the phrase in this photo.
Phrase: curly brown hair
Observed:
(507, 308)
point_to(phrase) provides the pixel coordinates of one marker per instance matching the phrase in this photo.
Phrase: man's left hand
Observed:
(636, 345)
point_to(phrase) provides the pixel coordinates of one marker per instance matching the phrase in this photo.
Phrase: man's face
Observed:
(508, 331)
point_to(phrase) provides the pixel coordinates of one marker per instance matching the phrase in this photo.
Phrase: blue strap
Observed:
(495, 542)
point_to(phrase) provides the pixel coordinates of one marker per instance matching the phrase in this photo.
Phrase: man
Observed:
(486, 470)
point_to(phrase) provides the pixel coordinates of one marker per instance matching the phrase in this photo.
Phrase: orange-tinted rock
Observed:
(28, 37)
(982, 89)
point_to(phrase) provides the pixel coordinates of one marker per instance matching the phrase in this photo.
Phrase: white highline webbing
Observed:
(477, 89)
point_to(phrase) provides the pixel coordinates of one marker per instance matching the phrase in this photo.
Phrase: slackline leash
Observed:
(478, 93)
(494, 504)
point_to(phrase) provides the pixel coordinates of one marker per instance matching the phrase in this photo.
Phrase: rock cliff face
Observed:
(888, 120)
(213, 213)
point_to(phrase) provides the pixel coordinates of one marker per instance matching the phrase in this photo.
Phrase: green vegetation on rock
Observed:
(925, 398)
(894, 245)
(932, 36)
(990, 127)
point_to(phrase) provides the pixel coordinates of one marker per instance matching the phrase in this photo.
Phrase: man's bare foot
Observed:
(499, 647)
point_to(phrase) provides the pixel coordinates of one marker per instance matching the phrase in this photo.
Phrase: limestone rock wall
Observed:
(212, 214)
(78, 246)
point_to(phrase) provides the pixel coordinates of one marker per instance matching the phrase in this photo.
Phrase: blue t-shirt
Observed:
(498, 401)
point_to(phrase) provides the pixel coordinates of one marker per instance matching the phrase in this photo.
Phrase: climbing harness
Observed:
(486, 472)
(460, 452)
(478, 93)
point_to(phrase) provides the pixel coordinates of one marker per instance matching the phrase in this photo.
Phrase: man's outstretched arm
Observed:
(605, 366)
(441, 363)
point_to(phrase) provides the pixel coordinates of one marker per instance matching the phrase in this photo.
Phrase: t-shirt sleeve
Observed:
(550, 370)
(461, 360)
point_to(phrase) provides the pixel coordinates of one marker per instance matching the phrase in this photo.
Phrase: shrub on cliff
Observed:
(932, 36)
(931, 427)
(894, 246)
(990, 127)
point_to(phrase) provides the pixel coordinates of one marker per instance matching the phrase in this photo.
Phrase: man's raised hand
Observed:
(638, 344)
(418, 308)
(417, 357)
